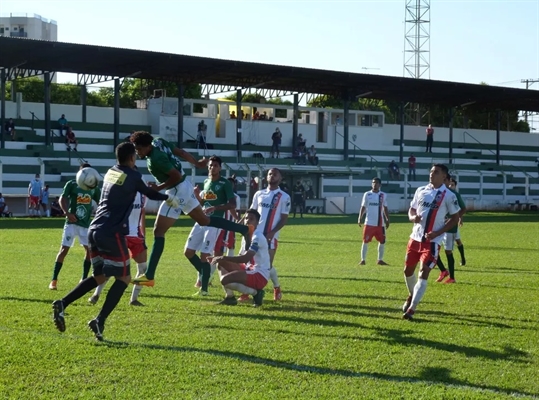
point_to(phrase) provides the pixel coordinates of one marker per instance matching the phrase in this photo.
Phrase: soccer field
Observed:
(337, 333)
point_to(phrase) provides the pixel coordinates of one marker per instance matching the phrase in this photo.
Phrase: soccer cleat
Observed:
(442, 276)
(58, 315)
(198, 283)
(96, 328)
(52, 285)
(93, 299)
(381, 262)
(201, 293)
(243, 298)
(407, 303)
(258, 297)
(136, 303)
(277, 294)
(409, 314)
(362, 262)
(463, 263)
(229, 301)
(450, 280)
(143, 281)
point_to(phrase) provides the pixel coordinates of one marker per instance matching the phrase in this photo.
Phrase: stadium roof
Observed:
(119, 62)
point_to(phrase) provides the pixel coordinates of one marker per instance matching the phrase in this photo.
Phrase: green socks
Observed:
(86, 268)
(57, 268)
(204, 270)
(157, 251)
(222, 223)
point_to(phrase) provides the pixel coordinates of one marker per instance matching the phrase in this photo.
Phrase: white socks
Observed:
(410, 282)
(240, 287)
(141, 269)
(419, 291)
(100, 288)
(364, 248)
(381, 248)
(274, 278)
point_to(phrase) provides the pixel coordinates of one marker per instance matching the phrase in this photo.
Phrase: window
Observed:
(280, 113)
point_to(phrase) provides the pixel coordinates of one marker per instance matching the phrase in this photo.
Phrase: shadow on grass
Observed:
(341, 278)
(11, 298)
(426, 376)
(358, 296)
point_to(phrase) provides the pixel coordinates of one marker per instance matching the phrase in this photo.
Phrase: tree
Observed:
(257, 98)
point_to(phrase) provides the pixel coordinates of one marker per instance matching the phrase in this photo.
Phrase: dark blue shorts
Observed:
(109, 253)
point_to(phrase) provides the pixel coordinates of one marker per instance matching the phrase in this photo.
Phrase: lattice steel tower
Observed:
(417, 39)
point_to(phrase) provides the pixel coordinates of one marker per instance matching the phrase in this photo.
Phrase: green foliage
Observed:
(337, 333)
(258, 98)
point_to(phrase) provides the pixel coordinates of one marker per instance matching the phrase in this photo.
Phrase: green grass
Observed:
(337, 333)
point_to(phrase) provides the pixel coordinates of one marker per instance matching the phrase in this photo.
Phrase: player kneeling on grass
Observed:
(247, 273)
(107, 238)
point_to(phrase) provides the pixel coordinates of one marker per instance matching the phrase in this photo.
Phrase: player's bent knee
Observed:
(189, 253)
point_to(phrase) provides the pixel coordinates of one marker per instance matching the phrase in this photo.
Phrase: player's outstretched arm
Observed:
(189, 158)
(149, 192)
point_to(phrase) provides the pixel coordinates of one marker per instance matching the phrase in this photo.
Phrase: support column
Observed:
(498, 128)
(238, 123)
(321, 189)
(47, 78)
(406, 187)
(504, 186)
(346, 126)
(527, 187)
(451, 115)
(2, 108)
(83, 100)
(295, 122)
(401, 147)
(181, 92)
(116, 112)
(480, 186)
(350, 185)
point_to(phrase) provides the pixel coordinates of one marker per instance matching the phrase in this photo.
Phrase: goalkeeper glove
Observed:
(172, 201)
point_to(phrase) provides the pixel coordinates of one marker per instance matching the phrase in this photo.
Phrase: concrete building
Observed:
(30, 26)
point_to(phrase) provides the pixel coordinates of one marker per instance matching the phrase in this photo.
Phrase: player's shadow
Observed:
(427, 376)
(12, 298)
(358, 296)
(342, 278)
(492, 270)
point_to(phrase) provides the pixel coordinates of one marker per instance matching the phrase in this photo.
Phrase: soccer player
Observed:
(163, 160)
(374, 206)
(273, 205)
(77, 206)
(45, 200)
(453, 185)
(107, 238)
(430, 205)
(449, 240)
(248, 272)
(136, 245)
(216, 198)
(34, 195)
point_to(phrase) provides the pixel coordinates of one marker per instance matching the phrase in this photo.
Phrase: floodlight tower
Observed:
(417, 45)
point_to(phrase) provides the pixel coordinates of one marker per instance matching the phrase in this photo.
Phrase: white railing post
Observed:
(193, 174)
(480, 186)
(526, 187)
(350, 185)
(504, 186)
(41, 170)
(405, 187)
(321, 191)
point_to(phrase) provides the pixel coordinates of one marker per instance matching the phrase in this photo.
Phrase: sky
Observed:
(470, 41)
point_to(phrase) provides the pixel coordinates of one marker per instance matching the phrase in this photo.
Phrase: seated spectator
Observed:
(2, 204)
(62, 124)
(300, 156)
(10, 128)
(393, 169)
(263, 117)
(256, 116)
(311, 155)
(56, 210)
(302, 143)
(233, 115)
(201, 134)
(71, 139)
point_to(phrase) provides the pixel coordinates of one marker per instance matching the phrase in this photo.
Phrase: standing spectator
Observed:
(34, 195)
(311, 154)
(62, 124)
(394, 172)
(10, 128)
(71, 139)
(45, 201)
(201, 135)
(299, 198)
(2, 205)
(338, 120)
(56, 210)
(276, 142)
(430, 139)
(233, 115)
(411, 167)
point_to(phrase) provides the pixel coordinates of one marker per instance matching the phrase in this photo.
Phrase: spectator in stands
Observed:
(2, 204)
(45, 200)
(430, 138)
(233, 115)
(338, 120)
(302, 143)
(394, 172)
(276, 138)
(300, 155)
(201, 135)
(62, 124)
(71, 139)
(311, 155)
(411, 167)
(56, 210)
(10, 128)
(263, 117)
(256, 116)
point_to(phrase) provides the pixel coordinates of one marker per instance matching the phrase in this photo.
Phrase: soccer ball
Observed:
(88, 178)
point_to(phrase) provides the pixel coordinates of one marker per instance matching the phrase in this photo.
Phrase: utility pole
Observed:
(528, 83)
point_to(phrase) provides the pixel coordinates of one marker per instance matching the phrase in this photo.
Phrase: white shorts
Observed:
(72, 230)
(186, 196)
(202, 238)
(449, 241)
